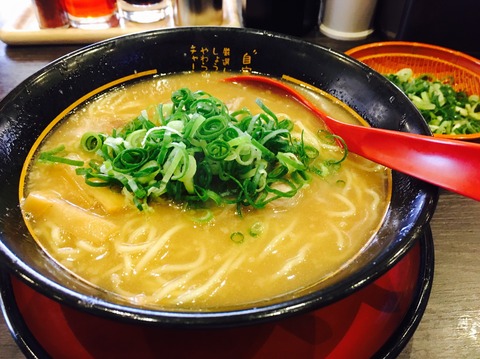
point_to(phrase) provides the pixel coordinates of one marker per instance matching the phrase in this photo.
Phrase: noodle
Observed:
(147, 257)
(280, 237)
(180, 281)
(350, 207)
(293, 262)
(230, 264)
(183, 267)
(84, 245)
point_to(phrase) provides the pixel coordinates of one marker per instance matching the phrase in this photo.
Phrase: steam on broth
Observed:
(167, 256)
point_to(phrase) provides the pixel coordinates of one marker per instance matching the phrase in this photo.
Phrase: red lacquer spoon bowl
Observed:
(450, 164)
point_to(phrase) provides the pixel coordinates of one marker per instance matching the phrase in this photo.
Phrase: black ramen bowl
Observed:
(29, 109)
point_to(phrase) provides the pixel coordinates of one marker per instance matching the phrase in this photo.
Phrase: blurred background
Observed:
(444, 23)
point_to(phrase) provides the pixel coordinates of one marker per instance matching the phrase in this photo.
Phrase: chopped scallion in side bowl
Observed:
(447, 111)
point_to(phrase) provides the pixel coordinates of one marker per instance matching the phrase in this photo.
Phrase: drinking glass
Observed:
(144, 11)
(91, 14)
(348, 19)
(50, 13)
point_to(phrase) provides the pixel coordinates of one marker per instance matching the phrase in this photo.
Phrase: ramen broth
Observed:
(167, 257)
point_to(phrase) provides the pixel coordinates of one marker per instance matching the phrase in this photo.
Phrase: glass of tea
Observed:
(92, 14)
(50, 13)
(144, 11)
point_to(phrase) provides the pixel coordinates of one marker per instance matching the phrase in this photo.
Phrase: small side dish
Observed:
(446, 110)
(448, 79)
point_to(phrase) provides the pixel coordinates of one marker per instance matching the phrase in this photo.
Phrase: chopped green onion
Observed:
(194, 151)
(51, 156)
(202, 215)
(447, 111)
(257, 229)
(237, 237)
(218, 150)
(91, 142)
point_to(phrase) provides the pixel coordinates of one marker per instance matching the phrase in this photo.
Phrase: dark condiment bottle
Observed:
(198, 12)
(50, 13)
(288, 17)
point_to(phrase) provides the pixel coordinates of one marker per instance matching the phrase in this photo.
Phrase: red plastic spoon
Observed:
(451, 164)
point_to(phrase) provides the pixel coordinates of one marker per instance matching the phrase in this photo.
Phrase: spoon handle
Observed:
(450, 164)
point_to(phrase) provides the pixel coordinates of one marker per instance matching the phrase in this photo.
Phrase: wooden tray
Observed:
(21, 27)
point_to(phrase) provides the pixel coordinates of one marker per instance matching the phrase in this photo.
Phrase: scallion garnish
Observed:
(53, 156)
(237, 237)
(256, 229)
(447, 111)
(195, 151)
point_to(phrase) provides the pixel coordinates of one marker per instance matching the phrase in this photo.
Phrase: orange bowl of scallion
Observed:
(443, 84)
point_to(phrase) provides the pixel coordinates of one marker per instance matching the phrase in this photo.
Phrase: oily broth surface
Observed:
(163, 257)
